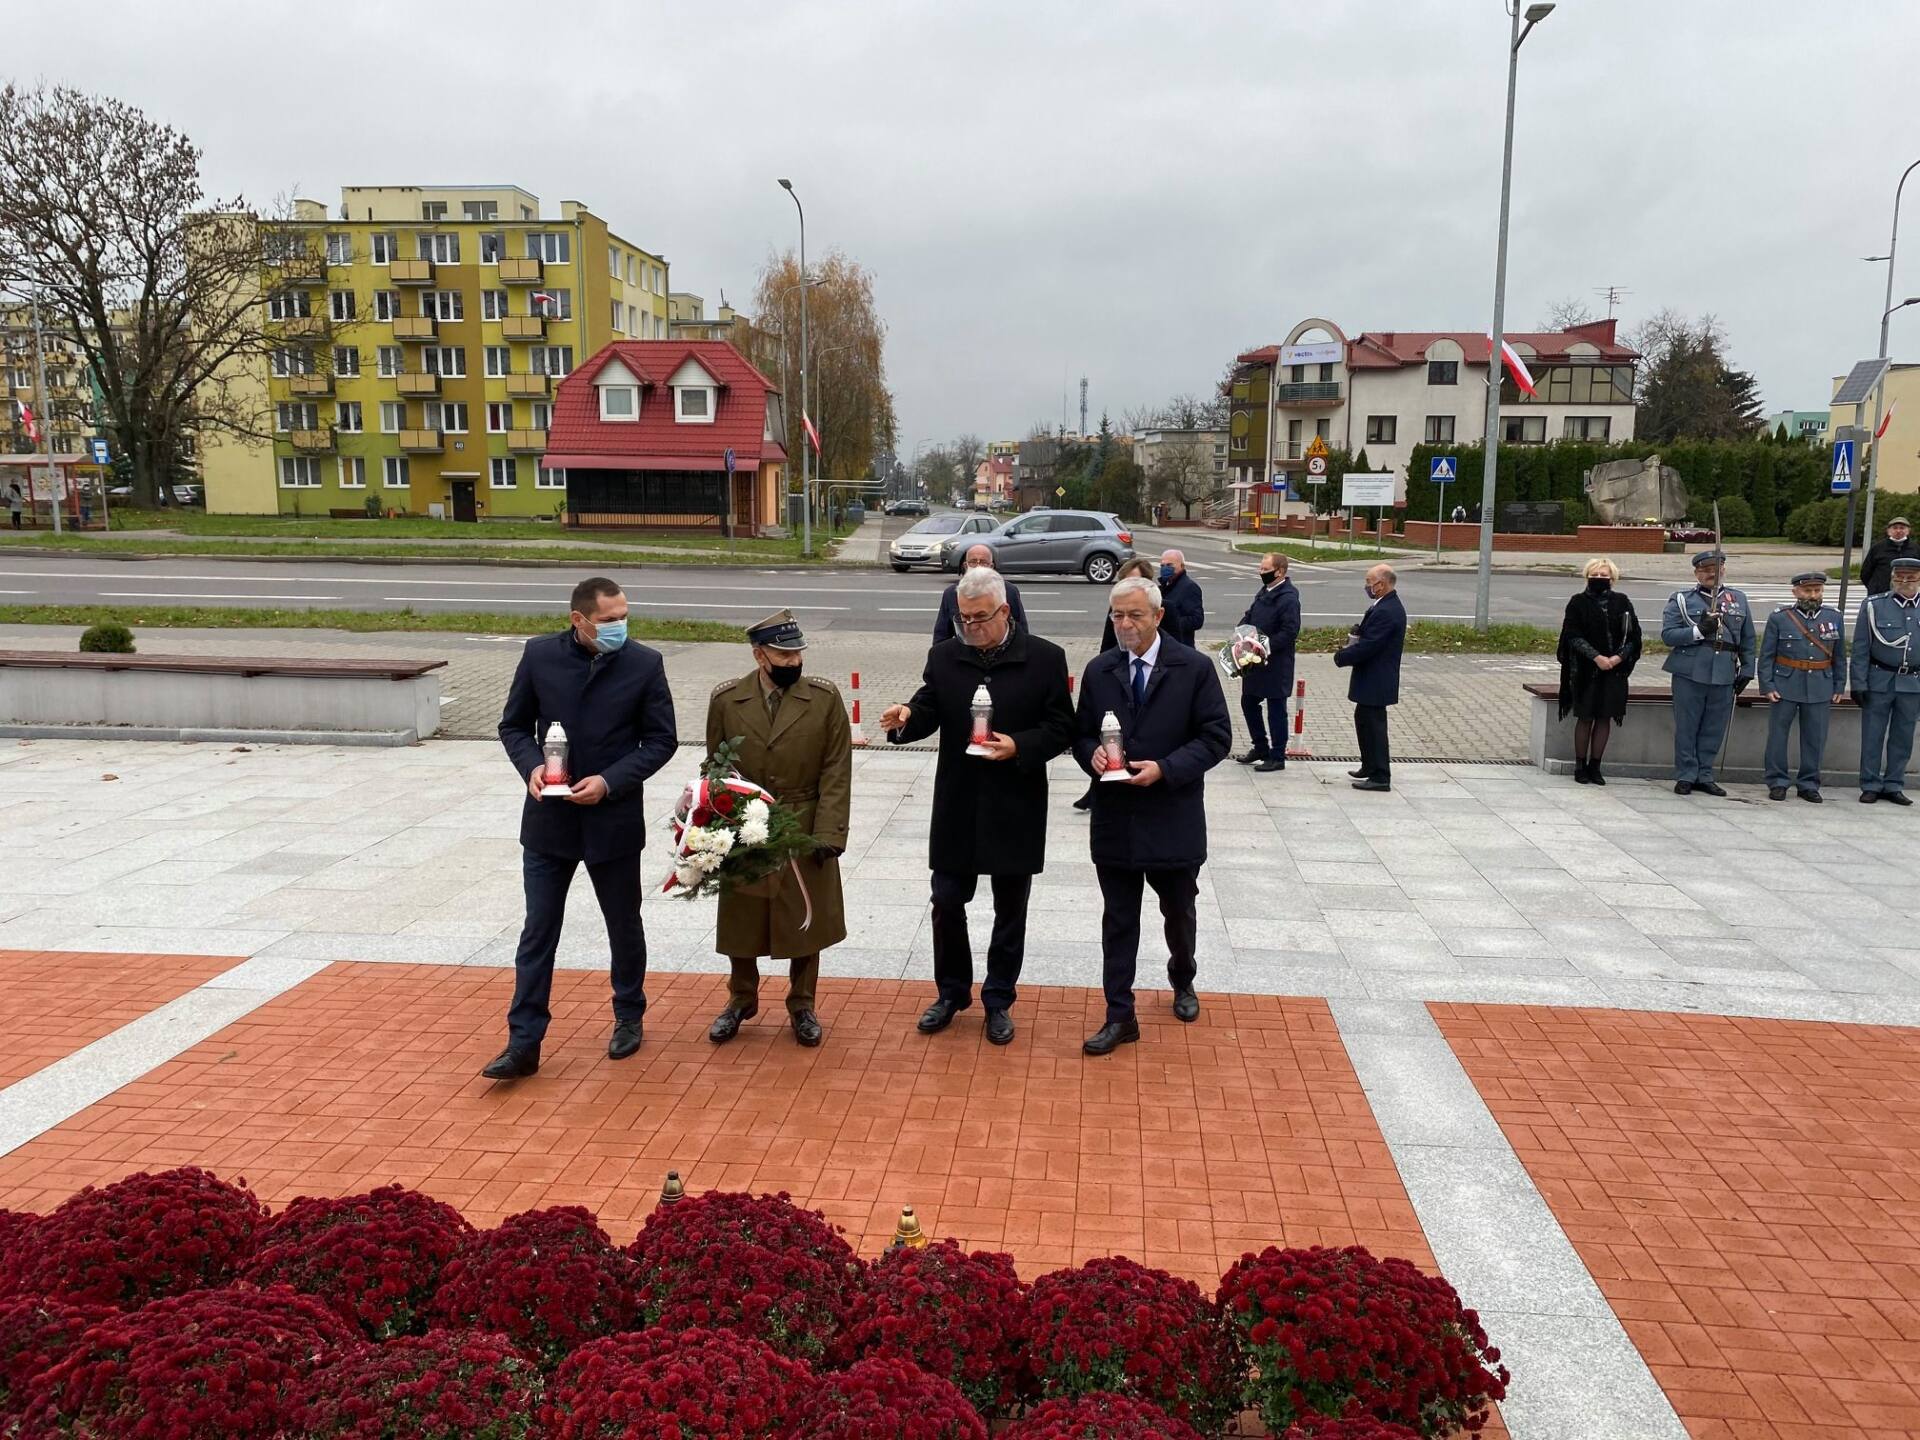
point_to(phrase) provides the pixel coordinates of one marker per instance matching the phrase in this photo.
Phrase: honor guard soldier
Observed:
(797, 743)
(1886, 683)
(1803, 670)
(1708, 632)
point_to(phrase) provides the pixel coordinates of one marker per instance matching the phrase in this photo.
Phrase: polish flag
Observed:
(33, 427)
(812, 434)
(542, 299)
(1522, 376)
(1885, 420)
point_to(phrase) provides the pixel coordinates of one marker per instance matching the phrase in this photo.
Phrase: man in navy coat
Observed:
(944, 624)
(1180, 593)
(1275, 613)
(1150, 829)
(610, 696)
(1372, 652)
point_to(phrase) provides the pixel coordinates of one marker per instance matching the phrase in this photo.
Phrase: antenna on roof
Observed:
(1614, 294)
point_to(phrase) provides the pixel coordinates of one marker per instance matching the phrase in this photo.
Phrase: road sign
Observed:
(1443, 469)
(1842, 467)
(1318, 449)
(101, 455)
(1362, 488)
(1317, 465)
(1060, 492)
(1279, 487)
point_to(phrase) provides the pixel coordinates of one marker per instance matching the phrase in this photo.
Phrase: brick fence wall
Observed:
(1591, 539)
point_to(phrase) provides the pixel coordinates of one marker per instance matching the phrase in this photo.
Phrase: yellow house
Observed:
(1897, 466)
(419, 333)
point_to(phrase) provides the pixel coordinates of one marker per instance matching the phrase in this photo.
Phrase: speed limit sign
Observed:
(1316, 464)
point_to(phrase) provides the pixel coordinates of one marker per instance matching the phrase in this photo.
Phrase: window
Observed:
(542, 415)
(618, 311)
(448, 360)
(503, 472)
(1323, 428)
(499, 417)
(659, 281)
(480, 209)
(386, 304)
(1294, 428)
(346, 361)
(287, 360)
(339, 249)
(1383, 429)
(633, 269)
(382, 248)
(348, 413)
(393, 361)
(340, 304)
(557, 306)
(693, 404)
(396, 474)
(1326, 374)
(433, 209)
(619, 402)
(554, 360)
(441, 249)
(493, 304)
(1296, 374)
(1440, 427)
(633, 322)
(1589, 427)
(613, 261)
(492, 246)
(499, 360)
(299, 472)
(550, 479)
(296, 415)
(1443, 372)
(1523, 429)
(393, 417)
(290, 304)
(443, 304)
(353, 473)
(551, 247)
(449, 417)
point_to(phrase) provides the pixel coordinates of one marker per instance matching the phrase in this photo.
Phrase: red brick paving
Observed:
(58, 1002)
(1746, 1193)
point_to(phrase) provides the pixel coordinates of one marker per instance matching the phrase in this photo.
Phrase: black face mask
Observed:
(1267, 577)
(784, 677)
(1598, 585)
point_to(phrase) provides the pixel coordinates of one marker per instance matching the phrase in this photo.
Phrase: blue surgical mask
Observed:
(609, 636)
(1166, 574)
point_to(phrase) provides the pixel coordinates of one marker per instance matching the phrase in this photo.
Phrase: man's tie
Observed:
(1139, 683)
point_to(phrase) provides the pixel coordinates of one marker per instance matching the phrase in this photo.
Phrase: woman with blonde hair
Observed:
(1599, 646)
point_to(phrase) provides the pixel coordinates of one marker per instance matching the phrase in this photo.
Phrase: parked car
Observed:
(909, 507)
(1093, 543)
(190, 494)
(924, 543)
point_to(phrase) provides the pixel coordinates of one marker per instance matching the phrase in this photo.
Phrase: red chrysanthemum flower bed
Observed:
(1120, 1326)
(661, 1385)
(449, 1385)
(549, 1280)
(376, 1258)
(1099, 1416)
(140, 1239)
(226, 1363)
(1354, 1427)
(14, 1225)
(1338, 1332)
(960, 1316)
(35, 1334)
(887, 1398)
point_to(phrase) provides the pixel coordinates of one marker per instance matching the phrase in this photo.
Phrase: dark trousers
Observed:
(953, 947)
(1120, 893)
(1370, 729)
(803, 982)
(616, 884)
(1276, 723)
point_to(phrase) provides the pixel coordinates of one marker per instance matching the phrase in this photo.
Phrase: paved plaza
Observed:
(1639, 1074)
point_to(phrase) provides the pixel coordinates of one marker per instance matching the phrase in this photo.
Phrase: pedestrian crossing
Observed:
(1764, 598)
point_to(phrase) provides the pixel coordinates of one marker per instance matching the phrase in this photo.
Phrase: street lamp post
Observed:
(1483, 593)
(806, 493)
(1880, 390)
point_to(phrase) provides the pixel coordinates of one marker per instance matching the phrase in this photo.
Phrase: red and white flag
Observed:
(32, 426)
(542, 299)
(812, 434)
(1885, 420)
(1517, 367)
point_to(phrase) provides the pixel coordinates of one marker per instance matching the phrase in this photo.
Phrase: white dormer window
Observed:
(619, 402)
(693, 404)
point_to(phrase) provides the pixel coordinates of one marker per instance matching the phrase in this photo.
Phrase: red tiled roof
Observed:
(655, 441)
(1388, 349)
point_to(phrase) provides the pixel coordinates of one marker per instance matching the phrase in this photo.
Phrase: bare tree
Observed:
(966, 451)
(1182, 471)
(1566, 312)
(103, 220)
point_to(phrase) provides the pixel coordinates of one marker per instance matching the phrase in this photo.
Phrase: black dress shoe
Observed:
(1378, 786)
(626, 1039)
(1251, 757)
(1358, 774)
(1111, 1036)
(1811, 796)
(1579, 772)
(999, 1028)
(511, 1064)
(1085, 802)
(1594, 777)
(1776, 792)
(806, 1029)
(727, 1023)
(1186, 1005)
(937, 1016)
(1895, 797)
(1269, 765)
(1683, 787)
(1707, 787)
(1868, 797)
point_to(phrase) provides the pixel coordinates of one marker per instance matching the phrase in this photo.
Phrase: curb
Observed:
(195, 736)
(254, 558)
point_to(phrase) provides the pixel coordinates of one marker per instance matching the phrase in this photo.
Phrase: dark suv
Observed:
(1093, 543)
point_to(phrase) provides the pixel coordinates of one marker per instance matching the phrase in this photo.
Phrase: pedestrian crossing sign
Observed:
(1842, 466)
(1443, 468)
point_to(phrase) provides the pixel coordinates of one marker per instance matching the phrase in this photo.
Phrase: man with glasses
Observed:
(989, 798)
(1149, 829)
(976, 557)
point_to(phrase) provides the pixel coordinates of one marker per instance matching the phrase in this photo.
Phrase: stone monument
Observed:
(1635, 492)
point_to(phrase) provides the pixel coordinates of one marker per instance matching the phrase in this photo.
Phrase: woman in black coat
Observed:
(1599, 646)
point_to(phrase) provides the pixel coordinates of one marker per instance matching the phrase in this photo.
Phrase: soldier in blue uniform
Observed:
(1886, 683)
(1803, 670)
(1708, 631)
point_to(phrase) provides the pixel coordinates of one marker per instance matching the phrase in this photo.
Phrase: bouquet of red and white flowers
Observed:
(1245, 651)
(729, 831)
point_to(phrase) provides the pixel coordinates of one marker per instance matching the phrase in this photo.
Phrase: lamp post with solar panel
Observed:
(1880, 393)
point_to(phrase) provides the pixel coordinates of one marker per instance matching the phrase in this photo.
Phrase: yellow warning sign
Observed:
(1318, 449)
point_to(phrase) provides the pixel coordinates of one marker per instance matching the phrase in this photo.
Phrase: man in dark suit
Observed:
(1180, 594)
(1275, 613)
(1372, 652)
(989, 800)
(1149, 829)
(609, 694)
(1876, 570)
(976, 556)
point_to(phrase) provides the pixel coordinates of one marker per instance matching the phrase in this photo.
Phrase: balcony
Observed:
(313, 442)
(529, 387)
(520, 270)
(309, 386)
(417, 384)
(527, 442)
(301, 267)
(305, 327)
(524, 327)
(422, 442)
(1311, 395)
(415, 327)
(411, 272)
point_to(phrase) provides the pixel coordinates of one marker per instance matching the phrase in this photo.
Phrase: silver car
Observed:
(1093, 543)
(925, 542)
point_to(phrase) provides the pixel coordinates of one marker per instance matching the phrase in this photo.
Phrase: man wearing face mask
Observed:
(1803, 671)
(1275, 613)
(1373, 652)
(609, 695)
(796, 741)
(1180, 593)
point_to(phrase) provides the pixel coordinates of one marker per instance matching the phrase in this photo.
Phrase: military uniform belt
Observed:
(1803, 664)
(1897, 669)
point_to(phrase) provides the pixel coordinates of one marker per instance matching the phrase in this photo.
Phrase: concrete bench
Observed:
(52, 693)
(1643, 746)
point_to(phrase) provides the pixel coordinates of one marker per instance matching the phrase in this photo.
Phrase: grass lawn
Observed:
(604, 553)
(1327, 549)
(478, 622)
(1434, 637)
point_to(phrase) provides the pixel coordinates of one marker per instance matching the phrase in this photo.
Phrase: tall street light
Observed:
(806, 494)
(1496, 370)
(1880, 390)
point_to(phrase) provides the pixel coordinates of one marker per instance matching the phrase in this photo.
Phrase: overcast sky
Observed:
(1131, 192)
